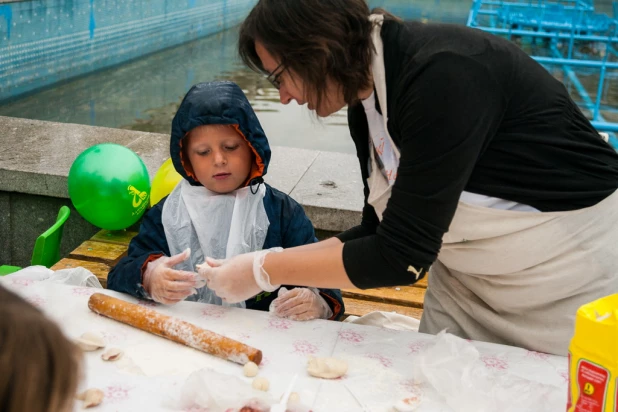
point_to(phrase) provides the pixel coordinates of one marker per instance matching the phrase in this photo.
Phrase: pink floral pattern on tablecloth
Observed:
(22, 282)
(196, 408)
(494, 362)
(413, 386)
(279, 323)
(565, 375)
(386, 362)
(117, 393)
(411, 401)
(537, 355)
(82, 291)
(351, 336)
(416, 347)
(213, 312)
(36, 300)
(304, 347)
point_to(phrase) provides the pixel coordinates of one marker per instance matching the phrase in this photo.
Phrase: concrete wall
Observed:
(35, 158)
(23, 217)
(45, 42)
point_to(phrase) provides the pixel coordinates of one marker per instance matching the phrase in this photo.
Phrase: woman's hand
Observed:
(244, 276)
(239, 278)
(301, 304)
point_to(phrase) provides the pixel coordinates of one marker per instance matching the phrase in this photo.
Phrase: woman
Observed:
(476, 163)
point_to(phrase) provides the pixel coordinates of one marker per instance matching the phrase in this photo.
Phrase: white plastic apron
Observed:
(216, 225)
(511, 277)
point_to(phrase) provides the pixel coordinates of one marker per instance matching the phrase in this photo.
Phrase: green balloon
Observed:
(109, 186)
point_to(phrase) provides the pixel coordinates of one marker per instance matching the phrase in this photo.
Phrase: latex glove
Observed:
(239, 278)
(300, 304)
(167, 285)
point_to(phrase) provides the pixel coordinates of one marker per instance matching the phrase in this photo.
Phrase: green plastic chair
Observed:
(47, 247)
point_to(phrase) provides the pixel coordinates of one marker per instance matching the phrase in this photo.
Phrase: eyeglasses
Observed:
(274, 78)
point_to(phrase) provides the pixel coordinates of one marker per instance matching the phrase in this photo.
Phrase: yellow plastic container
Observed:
(593, 358)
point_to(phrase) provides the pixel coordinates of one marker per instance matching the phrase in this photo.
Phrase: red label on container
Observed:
(592, 381)
(569, 396)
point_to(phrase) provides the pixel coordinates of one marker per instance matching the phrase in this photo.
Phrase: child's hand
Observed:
(301, 304)
(167, 285)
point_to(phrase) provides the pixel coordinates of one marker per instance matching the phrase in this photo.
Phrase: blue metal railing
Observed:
(564, 27)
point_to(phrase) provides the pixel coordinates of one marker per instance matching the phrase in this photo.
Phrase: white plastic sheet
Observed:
(78, 276)
(454, 374)
(217, 392)
(387, 320)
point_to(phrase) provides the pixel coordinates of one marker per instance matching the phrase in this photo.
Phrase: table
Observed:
(100, 253)
(383, 363)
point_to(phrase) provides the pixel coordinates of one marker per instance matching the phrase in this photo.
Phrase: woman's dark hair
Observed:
(317, 39)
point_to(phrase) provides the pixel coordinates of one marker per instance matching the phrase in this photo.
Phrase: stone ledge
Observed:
(35, 158)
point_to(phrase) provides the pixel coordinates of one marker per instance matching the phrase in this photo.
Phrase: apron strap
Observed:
(379, 72)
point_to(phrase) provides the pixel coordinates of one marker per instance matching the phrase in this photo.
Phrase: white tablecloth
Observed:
(381, 361)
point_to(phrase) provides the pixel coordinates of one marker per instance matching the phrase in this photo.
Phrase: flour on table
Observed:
(162, 358)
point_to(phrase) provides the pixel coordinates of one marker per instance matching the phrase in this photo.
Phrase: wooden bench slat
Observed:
(108, 253)
(405, 296)
(358, 307)
(119, 237)
(100, 270)
(422, 283)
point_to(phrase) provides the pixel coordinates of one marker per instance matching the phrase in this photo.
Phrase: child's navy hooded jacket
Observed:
(219, 103)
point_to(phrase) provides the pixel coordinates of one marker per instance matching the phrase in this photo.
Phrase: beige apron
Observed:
(509, 277)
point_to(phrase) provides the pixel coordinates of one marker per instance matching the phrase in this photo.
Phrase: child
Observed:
(220, 209)
(39, 366)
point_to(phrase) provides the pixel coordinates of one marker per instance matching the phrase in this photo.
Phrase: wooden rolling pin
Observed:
(174, 329)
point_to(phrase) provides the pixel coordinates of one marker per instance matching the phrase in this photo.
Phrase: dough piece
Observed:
(91, 397)
(261, 384)
(329, 368)
(112, 354)
(294, 397)
(90, 341)
(250, 369)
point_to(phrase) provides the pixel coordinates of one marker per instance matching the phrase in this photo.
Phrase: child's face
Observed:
(221, 158)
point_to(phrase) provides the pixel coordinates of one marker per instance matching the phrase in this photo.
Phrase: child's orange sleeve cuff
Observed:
(150, 258)
(333, 303)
